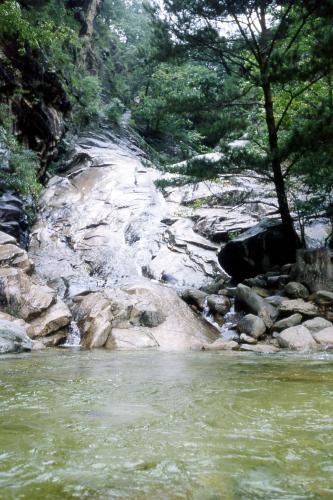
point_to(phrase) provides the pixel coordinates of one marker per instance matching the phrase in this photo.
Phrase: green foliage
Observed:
(90, 107)
(18, 164)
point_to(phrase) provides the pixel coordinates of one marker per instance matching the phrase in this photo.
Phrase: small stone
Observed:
(296, 290)
(297, 338)
(317, 324)
(293, 320)
(246, 339)
(221, 345)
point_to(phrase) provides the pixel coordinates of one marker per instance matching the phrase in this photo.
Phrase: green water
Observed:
(101, 425)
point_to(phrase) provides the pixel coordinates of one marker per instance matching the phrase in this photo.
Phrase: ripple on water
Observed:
(148, 425)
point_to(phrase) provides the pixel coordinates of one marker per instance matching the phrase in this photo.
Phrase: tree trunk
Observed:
(279, 183)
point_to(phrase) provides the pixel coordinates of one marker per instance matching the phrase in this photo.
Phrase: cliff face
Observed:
(34, 91)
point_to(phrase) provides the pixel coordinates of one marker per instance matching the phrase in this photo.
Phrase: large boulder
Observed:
(246, 299)
(252, 325)
(257, 250)
(297, 338)
(117, 319)
(35, 303)
(13, 338)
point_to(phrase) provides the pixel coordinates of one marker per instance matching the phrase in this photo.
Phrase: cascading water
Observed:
(227, 330)
(74, 336)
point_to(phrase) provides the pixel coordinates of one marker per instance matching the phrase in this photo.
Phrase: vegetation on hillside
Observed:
(196, 75)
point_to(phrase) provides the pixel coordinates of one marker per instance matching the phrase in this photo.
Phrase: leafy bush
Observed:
(18, 164)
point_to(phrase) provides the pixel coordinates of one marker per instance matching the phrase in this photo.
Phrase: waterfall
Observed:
(74, 336)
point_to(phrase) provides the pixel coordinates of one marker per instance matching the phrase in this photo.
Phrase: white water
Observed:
(74, 336)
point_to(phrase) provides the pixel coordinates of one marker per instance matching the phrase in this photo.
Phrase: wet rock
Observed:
(252, 325)
(293, 320)
(295, 290)
(246, 339)
(298, 306)
(324, 337)
(57, 316)
(221, 345)
(218, 304)
(260, 348)
(297, 338)
(13, 338)
(257, 250)
(194, 297)
(317, 324)
(323, 298)
(248, 300)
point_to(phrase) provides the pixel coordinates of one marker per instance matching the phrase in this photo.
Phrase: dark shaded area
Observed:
(257, 250)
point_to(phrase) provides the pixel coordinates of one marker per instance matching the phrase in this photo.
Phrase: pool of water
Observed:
(99, 425)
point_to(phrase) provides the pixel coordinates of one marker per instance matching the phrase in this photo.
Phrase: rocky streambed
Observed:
(133, 268)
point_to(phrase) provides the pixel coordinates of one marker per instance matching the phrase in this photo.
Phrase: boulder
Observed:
(257, 250)
(295, 290)
(218, 304)
(252, 325)
(22, 292)
(13, 338)
(248, 300)
(194, 297)
(298, 306)
(324, 337)
(317, 324)
(221, 345)
(293, 320)
(112, 318)
(297, 338)
(53, 319)
(13, 256)
(260, 348)
(323, 298)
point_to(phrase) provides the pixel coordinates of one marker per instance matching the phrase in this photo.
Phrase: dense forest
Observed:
(195, 75)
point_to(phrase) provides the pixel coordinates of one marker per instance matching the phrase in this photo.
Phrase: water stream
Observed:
(146, 425)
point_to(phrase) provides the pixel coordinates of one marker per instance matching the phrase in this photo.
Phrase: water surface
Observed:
(99, 425)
